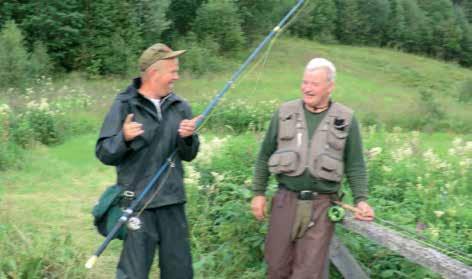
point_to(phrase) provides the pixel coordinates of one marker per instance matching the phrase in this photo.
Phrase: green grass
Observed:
(54, 194)
(381, 85)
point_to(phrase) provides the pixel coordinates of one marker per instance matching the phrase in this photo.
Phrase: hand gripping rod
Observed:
(214, 102)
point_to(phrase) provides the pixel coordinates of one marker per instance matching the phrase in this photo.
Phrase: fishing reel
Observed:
(134, 223)
(336, 213)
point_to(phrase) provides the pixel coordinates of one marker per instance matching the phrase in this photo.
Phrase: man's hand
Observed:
(258, 206)
(131, 129)
(366, 213)
(187, 127)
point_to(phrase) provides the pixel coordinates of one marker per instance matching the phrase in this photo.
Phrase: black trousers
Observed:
(165, 228)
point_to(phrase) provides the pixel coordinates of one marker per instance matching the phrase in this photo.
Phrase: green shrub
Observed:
(37, 123)
(13, 57)
(40, 63)
(202, 56)
(220, 21)
(25, 255)
(239, 115)
(465, 92)
(409, 185)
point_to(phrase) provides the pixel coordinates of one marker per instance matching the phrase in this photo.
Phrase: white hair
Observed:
(321, 63)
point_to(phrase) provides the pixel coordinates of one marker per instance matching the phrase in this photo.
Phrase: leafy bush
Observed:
(40, 63)
(25, 255)
(13, 57)
(465, 92)
(202, 56)
(40, 120)
(220, 21)
(239, 115)
(18, 68)
(226, 239)
(410, 185)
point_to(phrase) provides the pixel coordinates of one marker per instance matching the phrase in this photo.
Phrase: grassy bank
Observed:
(45, 207)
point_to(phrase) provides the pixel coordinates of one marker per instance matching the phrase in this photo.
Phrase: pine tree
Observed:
(219, 20)
(303, 26)
(40, 63)
(396, 26)
(151, 15)
(181, 14)
(56, 23)
(13, 57)
(257, 17)
(324, 20)
(418, 34)
(111, 39)
(445, 34)
(349, 23)
(465, 57)
(374, 21)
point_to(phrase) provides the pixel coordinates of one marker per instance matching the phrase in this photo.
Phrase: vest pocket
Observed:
(337, 137)
(330, 168)
(283, 161)
(287, 126)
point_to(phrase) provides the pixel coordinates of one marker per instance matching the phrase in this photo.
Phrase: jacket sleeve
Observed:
(188, 146)
(268, 146)
(111, 147)
(355, 167)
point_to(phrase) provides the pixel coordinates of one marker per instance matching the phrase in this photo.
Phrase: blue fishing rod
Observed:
(127, 213)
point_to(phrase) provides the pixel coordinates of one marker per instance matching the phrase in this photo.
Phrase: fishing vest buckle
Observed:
(307, 195)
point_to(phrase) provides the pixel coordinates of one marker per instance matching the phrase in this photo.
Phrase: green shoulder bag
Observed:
(108, 210)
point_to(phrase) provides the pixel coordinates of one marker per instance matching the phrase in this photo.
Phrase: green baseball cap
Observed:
(155, 53)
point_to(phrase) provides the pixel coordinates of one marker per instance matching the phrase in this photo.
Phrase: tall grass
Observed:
(411, 185)
(30, 255)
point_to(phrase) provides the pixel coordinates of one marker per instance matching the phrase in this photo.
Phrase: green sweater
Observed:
(354, 165)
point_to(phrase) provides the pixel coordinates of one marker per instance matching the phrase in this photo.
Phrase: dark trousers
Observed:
(165, 228)
(305, 257)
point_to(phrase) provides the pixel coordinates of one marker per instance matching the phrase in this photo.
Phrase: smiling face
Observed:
(316, 88)
(167, 72)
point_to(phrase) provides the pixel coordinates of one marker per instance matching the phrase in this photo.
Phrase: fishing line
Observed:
(263, 59)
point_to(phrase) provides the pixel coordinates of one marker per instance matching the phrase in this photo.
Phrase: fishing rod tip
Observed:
(91, 262)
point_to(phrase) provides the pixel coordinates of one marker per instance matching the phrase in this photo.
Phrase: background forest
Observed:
(103, 37)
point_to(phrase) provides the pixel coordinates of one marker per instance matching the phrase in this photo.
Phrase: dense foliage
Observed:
(104, 37)
(411, 185)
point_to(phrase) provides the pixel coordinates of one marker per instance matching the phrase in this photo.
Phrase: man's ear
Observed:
(331, 87)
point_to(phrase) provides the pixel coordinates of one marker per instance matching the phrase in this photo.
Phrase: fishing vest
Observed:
(324, 155)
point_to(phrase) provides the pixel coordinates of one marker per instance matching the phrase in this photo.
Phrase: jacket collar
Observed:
(132, 95)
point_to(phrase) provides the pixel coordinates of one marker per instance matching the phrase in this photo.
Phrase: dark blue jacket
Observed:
(138, 160)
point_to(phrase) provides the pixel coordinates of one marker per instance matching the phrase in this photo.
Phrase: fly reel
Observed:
(336, 213)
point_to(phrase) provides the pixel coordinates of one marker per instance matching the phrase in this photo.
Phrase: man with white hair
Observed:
(310, 145)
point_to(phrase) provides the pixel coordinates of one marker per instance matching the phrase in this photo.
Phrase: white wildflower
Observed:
(468, 146)
(4, 109)
(218, 177)
(373, 152)
(44, 106)
(192, 176)
(438, 213)
(386, 169)
(457, 142)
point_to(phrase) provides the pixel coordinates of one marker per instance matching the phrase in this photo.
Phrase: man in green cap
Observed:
(145, 124)
(310, 144)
